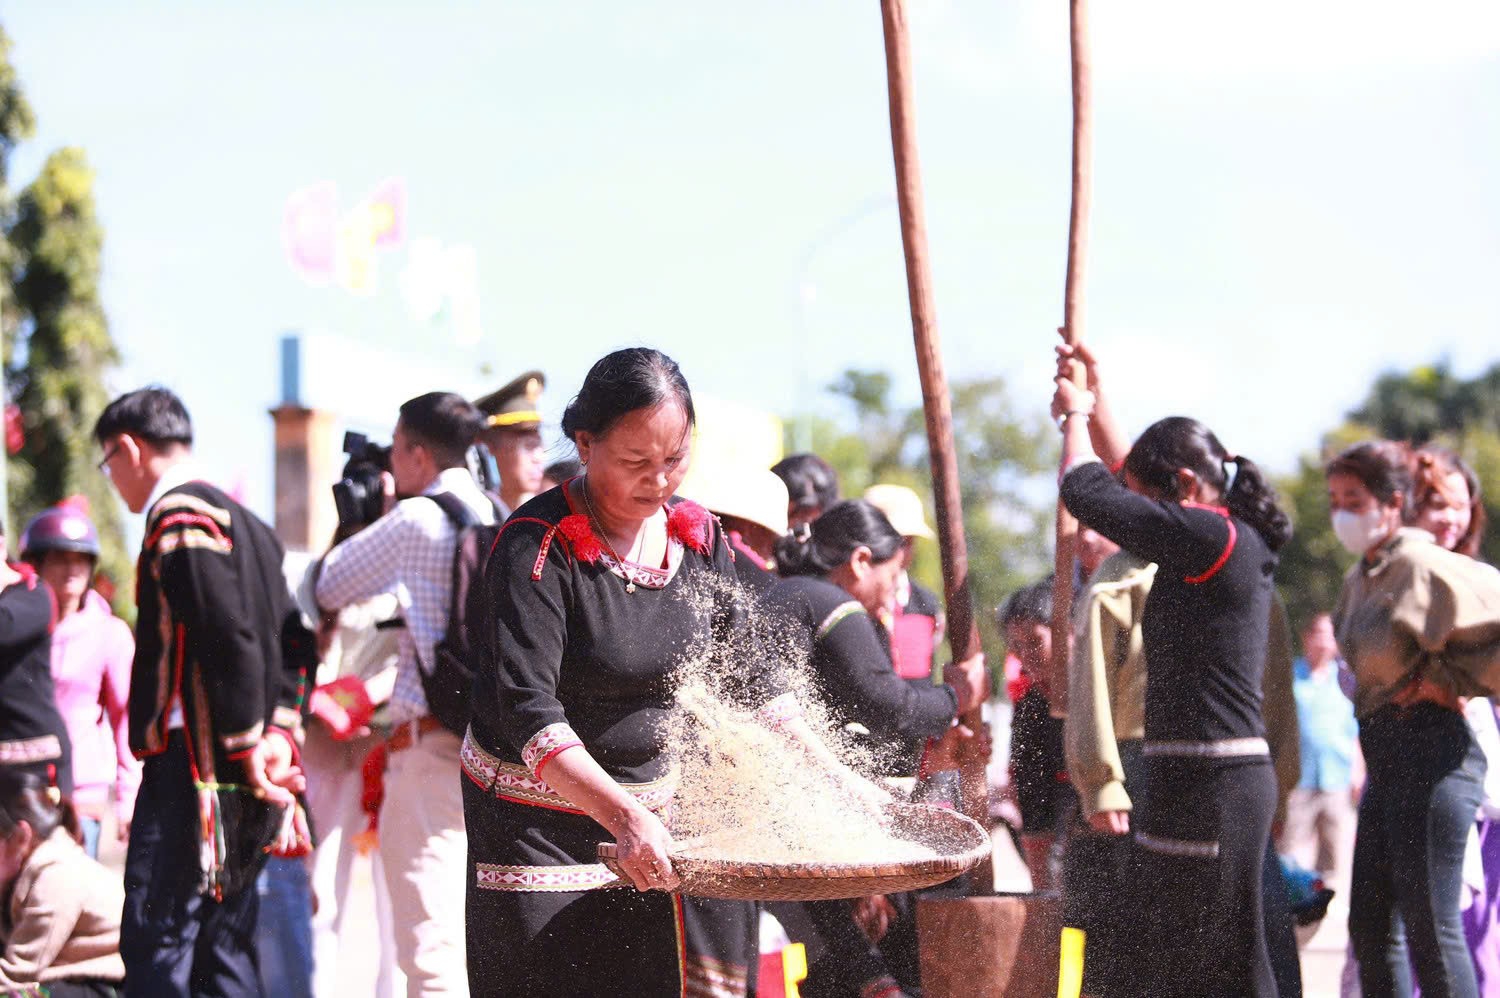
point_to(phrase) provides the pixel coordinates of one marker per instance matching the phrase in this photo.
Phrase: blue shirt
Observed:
(1325, 720)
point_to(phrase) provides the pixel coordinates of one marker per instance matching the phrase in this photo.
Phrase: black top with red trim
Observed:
(32, 733)
(850, 655)
(1207, 619)
(566, 644)
(216, 631)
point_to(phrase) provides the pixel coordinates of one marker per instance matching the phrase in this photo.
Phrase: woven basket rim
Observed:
(694, 866)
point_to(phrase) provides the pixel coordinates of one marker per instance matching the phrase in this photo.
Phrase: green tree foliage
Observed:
(57, 342)
(1415, 405)
(16, 125)
(1425, 405)
(1002, 456)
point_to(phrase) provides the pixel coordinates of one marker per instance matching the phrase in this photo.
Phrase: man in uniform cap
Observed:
(513, 435)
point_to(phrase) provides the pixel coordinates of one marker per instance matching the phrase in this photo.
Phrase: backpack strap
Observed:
(456, 510)
(502, 511)
(463, 518)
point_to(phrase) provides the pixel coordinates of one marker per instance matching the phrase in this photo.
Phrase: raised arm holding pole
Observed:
(1074, 308)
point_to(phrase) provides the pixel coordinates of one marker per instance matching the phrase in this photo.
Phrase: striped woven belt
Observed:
(1185, 848)
(1225, 748)
(43, 748)
(514, 782)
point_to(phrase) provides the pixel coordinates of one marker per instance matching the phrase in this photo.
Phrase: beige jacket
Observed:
(1107, 687)
(1419, 611)
(1107, 681)
(63, 918)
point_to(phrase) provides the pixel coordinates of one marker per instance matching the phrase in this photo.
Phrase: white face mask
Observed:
(1359, 532)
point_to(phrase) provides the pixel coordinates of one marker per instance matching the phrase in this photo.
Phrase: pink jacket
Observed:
(91, 658)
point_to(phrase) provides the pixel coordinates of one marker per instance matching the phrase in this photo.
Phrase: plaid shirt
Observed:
(409, 553)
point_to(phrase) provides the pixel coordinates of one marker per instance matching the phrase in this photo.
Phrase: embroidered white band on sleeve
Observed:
(546, 743)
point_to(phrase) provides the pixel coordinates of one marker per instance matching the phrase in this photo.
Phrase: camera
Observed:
(358, 497)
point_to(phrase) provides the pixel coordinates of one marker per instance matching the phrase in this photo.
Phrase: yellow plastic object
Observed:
(1070, 965)
(794, 966)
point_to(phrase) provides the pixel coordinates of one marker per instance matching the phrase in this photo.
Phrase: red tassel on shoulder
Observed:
(689, 523)
(580, 536)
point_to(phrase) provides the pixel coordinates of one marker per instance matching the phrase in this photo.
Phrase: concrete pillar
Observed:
(308, 462)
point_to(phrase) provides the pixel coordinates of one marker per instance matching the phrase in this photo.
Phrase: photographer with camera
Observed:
(409, 552)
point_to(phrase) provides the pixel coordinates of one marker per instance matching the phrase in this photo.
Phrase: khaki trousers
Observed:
(424, 851)
(1319, 833)
(335, 799)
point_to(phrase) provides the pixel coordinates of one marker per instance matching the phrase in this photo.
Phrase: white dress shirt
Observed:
(409, 553)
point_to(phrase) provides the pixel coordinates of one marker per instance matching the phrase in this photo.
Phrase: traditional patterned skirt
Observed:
(545, 917)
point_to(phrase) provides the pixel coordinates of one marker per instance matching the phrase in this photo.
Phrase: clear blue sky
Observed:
(1290, 197)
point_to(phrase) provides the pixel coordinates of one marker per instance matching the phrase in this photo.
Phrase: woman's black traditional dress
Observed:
(1205, 822)
(850, 656)
(33, 736)
(581, 651)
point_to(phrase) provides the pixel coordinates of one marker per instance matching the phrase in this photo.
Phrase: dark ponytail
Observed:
(828, 541)
(1180, 442)
(1253, 499)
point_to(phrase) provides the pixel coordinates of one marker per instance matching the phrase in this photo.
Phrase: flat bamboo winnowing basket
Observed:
(959, 842)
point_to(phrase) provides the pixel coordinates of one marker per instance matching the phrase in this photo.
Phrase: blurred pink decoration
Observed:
(309, 229)
(323, 247)
(387, 208)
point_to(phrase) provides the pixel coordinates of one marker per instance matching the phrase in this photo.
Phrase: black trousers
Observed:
(1099, 876)
(175, 942)
(1426, 782)
(1201, 845)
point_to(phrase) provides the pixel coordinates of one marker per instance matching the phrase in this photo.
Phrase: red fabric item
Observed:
(344, 705)
(689, 523)
(912, 640)
(15, 433)
(373, 778)
(579, 534)
(1018, 687)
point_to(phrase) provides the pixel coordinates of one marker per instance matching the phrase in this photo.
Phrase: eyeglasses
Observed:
(109, 455)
